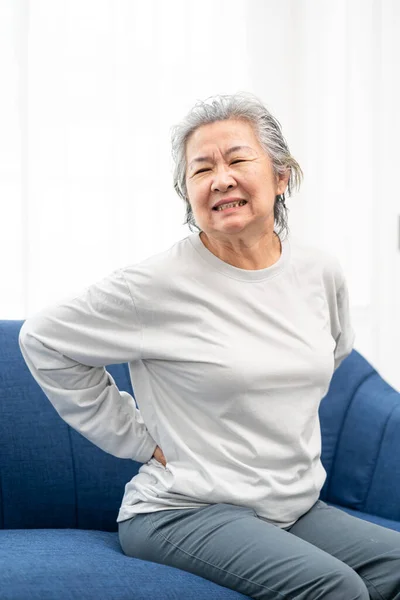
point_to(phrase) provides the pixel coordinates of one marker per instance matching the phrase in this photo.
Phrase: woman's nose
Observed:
(222, 180)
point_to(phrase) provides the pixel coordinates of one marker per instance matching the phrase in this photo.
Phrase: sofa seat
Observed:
(88, 564)
(73, 564)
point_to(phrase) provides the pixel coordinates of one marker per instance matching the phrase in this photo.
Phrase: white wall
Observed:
(90, 89)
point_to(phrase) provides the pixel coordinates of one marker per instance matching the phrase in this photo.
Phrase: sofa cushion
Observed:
(43, 564)
(66, 564)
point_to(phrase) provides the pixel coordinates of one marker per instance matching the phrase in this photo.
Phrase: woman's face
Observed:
(244, 173)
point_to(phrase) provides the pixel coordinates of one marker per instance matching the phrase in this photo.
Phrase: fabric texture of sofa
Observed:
(60, 494)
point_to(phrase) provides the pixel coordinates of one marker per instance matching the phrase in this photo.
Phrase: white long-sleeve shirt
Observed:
(228, 367)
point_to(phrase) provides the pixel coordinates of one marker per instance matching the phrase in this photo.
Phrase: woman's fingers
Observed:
(158, 455)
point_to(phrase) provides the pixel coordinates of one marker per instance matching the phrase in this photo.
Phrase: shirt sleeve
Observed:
(345, 334)
(66, 348)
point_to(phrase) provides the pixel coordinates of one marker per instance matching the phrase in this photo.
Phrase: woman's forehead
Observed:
(226, 136)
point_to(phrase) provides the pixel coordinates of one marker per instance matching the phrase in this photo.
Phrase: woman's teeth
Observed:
(231, 205)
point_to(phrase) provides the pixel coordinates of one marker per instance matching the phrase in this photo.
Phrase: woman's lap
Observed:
(371, 550)
(323, 555)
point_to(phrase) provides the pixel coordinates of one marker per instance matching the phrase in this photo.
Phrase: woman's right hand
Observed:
(158, 455)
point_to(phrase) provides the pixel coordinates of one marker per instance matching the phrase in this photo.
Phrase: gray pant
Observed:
(327, 554)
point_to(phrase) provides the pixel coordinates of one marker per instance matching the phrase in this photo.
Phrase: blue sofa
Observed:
(60, 494)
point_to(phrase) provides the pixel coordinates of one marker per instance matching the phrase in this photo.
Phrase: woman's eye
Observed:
(204, 170)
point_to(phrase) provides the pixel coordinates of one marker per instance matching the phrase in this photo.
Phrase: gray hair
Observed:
(239, 106)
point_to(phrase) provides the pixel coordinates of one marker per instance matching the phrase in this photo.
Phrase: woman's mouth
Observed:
(230, 207)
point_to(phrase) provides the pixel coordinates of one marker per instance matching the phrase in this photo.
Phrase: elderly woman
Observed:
(232, 336)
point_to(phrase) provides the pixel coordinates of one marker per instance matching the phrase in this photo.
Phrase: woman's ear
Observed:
(282, 181)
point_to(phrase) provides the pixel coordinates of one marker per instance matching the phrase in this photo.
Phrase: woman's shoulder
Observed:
(161, 265)
(315, 257)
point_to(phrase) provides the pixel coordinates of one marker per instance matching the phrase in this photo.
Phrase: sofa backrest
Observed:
(52, 477)
(360, 430)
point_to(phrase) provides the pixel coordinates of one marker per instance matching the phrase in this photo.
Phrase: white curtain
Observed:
(91, 88)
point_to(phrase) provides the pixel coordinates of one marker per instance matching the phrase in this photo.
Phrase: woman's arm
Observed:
(346, 335)
(66, 348)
